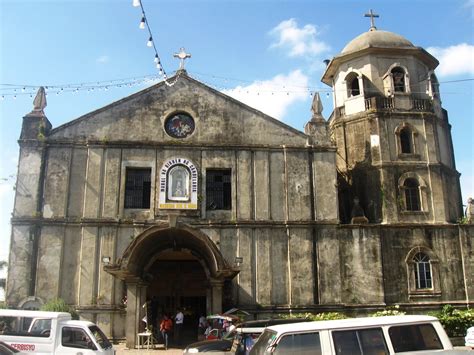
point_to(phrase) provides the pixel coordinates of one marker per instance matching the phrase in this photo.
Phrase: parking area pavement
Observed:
(121, 349)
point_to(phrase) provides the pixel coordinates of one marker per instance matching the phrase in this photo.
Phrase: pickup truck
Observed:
(51, 333)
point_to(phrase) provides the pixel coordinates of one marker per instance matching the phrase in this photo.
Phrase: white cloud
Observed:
(273, 96)
(454, 60)
(103, 59)
(299, 41)
(469, 3)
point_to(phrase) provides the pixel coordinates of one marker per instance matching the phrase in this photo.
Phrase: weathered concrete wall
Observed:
(329, 266)
(28, 181)
(361, 267)
(447, 269)
(20, 259)
(77, 183)
(89, 266)
(466, 243)
(324, 180)
(71, 265)
(56, 188)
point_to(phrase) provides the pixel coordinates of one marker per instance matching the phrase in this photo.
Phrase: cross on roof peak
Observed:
(182, 55)
(372, 15)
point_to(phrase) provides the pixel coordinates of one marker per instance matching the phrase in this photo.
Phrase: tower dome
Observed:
(379, 39)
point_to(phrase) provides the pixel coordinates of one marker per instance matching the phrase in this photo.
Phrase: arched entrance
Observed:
(176, 267)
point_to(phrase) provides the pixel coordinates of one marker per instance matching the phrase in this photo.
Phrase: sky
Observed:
(266, 53)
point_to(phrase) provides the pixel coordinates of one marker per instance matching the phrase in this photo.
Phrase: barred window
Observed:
(423, 279)
(412, 195)
(137, 188)
(218, 189)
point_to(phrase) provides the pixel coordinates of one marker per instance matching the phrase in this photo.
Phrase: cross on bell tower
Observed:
(372, 15)
(182, 55)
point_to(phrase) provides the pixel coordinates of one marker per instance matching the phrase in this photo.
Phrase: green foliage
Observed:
(3, 305)
(317, 316)
(389, 311)
(455, 321)
(59, 305)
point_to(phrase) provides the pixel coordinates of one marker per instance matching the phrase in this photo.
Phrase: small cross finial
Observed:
(372, 15)
(182, 55)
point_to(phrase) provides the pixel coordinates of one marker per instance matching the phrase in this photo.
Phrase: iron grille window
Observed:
(412, 195)
(137, 188)
(423, 278)
(218, 189)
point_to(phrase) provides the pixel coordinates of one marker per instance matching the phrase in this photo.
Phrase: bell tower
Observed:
(393, 138)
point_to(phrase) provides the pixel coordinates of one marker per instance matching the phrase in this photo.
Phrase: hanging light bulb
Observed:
(156, 60)
(150, 42)
(136, 3)
(142, 23)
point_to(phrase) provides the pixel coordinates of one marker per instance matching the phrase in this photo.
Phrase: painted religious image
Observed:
(179, 125)
(178, 184)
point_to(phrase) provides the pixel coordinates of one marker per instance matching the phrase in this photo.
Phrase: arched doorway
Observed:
(177, 281)
(176, 267)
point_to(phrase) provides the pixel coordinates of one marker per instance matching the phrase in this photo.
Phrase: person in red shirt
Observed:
(166, 325)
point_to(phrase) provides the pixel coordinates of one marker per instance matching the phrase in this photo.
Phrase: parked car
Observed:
(470, 338)
(52, 333)
(239, 339)
(371, 335)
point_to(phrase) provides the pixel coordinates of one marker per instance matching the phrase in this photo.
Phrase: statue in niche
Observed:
(178, 182)
(357, 213)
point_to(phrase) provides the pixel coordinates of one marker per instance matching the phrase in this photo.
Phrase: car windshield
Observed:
(100, 337)
(267, 337)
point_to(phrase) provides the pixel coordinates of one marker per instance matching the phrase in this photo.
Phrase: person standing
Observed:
(165, 328)
(178, 320)
(202, 327)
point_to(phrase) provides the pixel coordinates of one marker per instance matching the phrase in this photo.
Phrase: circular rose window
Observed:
(179, 125)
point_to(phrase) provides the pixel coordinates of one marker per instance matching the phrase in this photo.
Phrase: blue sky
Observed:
(266, 53)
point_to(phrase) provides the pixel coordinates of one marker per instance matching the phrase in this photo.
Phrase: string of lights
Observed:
(10, 90)
(144, 24)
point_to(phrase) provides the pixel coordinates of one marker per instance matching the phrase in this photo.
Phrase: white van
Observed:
(51, 333)
(371, 335)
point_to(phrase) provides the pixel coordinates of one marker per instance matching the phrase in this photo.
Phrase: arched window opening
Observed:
(412, 195)
(352, 82)
(406, 141)
(398, 75)
(434, 85)
(422, 265)
(354, 86)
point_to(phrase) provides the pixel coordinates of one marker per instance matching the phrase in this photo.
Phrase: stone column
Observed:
(216, 290)
(136, 295)
(26, 216)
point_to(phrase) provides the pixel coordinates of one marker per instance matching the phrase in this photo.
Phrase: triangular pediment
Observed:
(218, 119)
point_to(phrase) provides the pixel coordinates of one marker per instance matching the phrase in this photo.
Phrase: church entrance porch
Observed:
(179, 282)
(170, 268)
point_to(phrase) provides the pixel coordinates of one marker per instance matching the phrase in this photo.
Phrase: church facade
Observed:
(186, 196)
